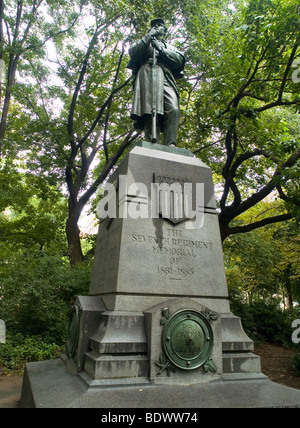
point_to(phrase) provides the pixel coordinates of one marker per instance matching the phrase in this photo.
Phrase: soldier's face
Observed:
(160, 28)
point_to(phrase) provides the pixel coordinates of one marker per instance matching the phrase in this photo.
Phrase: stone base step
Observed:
(243, 362)
(120, 333)
(115, 366)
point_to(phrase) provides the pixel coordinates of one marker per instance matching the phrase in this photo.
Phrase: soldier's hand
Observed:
(153, 32)
(157, 31)
(157, 45)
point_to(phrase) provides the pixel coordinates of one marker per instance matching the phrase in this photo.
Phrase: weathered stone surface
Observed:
(120, 332)
(86, 317)
(234, 338)
(143, 261)
(163, 148)
(47, 384)
(118, 348)
(116, 366)
(242, 362)
(236, 347)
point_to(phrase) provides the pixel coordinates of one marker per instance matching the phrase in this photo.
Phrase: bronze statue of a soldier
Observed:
(156, 64)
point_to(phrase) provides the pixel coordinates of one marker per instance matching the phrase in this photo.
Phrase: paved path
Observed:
(10, 392)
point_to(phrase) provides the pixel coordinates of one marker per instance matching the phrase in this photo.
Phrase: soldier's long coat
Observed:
(170, 64)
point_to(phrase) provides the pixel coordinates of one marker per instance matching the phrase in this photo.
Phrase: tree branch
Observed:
(101, 111)
(276, 103)
(258, 224)
(265, 191)
(242, 89)
(246, 156)
(18, 20)
(286, 72)
(33, 11)
(231, 151)
(207, 145)
(108, 167)
(284, 79)
(109, 105)
(1, 27)
(53, 35)
(77, 89)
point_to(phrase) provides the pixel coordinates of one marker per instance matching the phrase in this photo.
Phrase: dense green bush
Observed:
(18, 350)
(37, 292)
(266, 321)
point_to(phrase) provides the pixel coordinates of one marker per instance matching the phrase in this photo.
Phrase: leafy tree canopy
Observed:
(67, 96)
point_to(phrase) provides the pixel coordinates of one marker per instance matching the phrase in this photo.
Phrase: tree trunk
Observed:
(75, 252)
(11, 74)
(224, 229)
(288, 285)
(73, 235)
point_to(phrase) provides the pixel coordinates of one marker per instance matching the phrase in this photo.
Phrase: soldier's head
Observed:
(159, 23)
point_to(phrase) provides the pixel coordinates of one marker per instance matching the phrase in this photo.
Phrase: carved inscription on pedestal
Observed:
(177, 251)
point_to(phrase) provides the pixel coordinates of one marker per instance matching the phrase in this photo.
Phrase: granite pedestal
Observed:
(156, 329)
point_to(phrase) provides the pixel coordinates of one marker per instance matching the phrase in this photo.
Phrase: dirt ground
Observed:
(10, 391)
(275, 362)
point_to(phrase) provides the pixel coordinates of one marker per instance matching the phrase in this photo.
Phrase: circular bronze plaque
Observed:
(187, 339)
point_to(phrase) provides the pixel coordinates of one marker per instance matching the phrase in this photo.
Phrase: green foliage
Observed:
(264, 262)
(19, 350)
(237, 86)
(34, 212)
(239, 102)
(262, 269)
(37, 292)
(266, 321)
